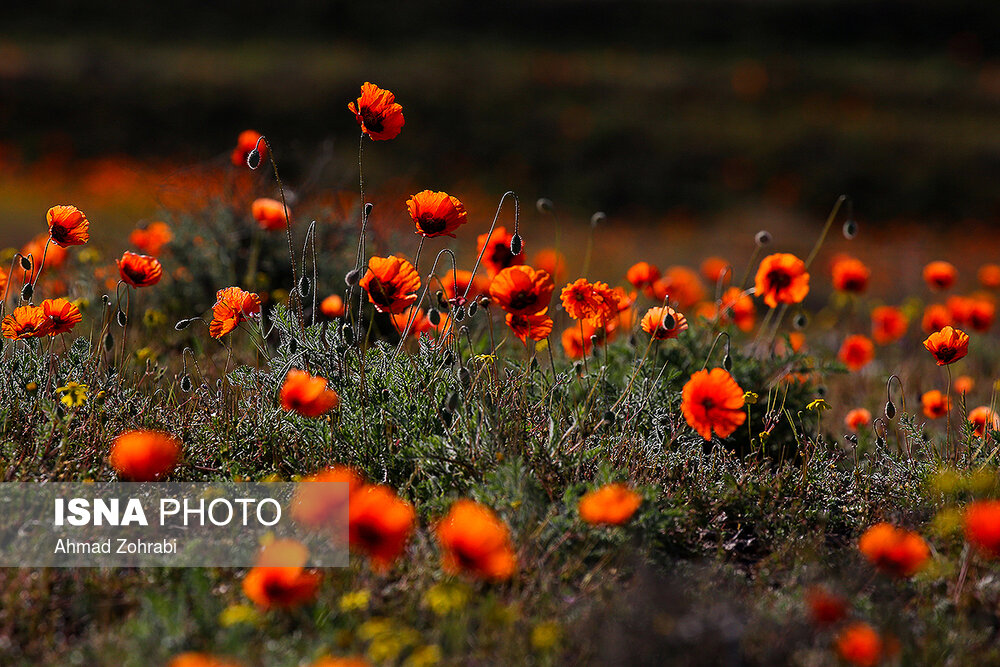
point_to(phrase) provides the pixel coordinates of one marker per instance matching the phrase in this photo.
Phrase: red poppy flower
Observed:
(55, 256)
(232, 306)
(960, 308)
(497, 256)
(552, 261)
(935, 404)
(246, 142)
(575, 344)
(825, 608)
(62, 315)
(317, 505)
(888, 324)
(26, 322)
(982, 527)
(860, 645)
(391, 283)
(611, 505)
(856, 352)
(68, 226)
(989, 276)
(536, 327)
(582, 301)
(522, 290)
(738, 306)
(474, 541)
(377, 112)
(936, 317)
(192, 659)
(948, 345)
(982, 419)
(269, 214)
(3, 280)
(152, 238)
(679, 285)
(417, 319)
(894, 550)
(436, 213)
(271, 587)
(454, 284)
(964, 384)
(332, 306)
(711, 400)
(714, 268)
(850, 275)
(307, 395)
(981, 315)
(144, 456)
(940, 275)
(663, 323)
(781, 278)
(857, 418)
(642, 275)
(139, 270)
(380, 524)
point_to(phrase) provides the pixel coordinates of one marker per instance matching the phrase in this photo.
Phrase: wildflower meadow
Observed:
(774, 456)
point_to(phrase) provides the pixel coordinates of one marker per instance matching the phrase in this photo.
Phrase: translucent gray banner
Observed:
(174, 525)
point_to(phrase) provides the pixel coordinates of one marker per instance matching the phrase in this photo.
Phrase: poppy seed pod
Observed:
(464, 331)
(609, 418)
(598, 218)
(452, 401)
(800, 321)
(850, 229)
(484, 302)
(762, 238)
(890, 409)
(253, 159)
(544, 205)
(464, 376)
(106, 299)
(516, 244)
(442, 301)
(352, 277)
(109, 343)
(27, 292)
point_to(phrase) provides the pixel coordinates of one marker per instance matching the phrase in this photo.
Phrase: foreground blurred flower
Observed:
(781, 278)
(982, 527)
(269, 214)
(436, 213)
(537, 326)
(940, 275)
(711, 400)
(246, 142)
(857, 418)
(201, 660)
(714, 268)
(380, 524)
(738, 306)
(522, 290)
(68, 226)
(497, 255)
(232, 307)
(143, 456)
(856, 352)
(888, 324)
(860, 645)
(578, 343)
(316, 505)
(663, 323)
(377, 112)
(964, 384)
(152, 238)
(679, 285)
(332, 306)
(55, 256)
(552, 261)
(341, 662)
(282, 587)
(936, 317)
(935, 404)
(642, 275)
(139, 270)
(825, 608)
(390, 283)
(894, 550)
(307, 395)
(850, 275)
(62, 315)
(982, 314)
(26, 322)
(982, 419)
(948, 345)
(612, 504)
(989, 276)
(474, 541)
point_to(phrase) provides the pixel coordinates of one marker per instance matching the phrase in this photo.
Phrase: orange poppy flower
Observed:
(960, 308)
(377, 112)
(642, 275)
(825, 608)
(152, 238)
(894, 550)
(474, 541)
(341, 662)
(982, 526)
(436, 213)
(888, 324)
(454, 284)
(964, 384)
(612, 505)
(497, 256)
(983, 418)
(271, 587)
(857, 418)
(522, 290)
(139, 270)
(232, 306)
(390, 283)
(3, 280)
(936, 317)
(711, 400)
(192, 659)
(850, 275)
(332, 306)
(781, 278)
(62, 315)
(307, 395)
(143, 456)
(537, 326)
(981, 315)
(380, 524)
(856, 352)
(419, 323)
(680, 285)
(576, 345)
(316, 505)
(935, 404)
(68, 226)
(269, 214)
(582, 301)
(26, 322)
(989, 276)
(552, 261)
(655, 323)
(246, 142)
(948, 345)
(714, 268)
(860, 645)
(940, 275)
(738, 305)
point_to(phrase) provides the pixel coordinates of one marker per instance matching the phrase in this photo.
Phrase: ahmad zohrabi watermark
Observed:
(168, 524)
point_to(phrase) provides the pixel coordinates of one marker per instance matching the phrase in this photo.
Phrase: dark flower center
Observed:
(381, 293)
(521, 300)
(431, 225)
(778, 279)
(946, 353)
(369, 536)
(500, 255)
(374, 121)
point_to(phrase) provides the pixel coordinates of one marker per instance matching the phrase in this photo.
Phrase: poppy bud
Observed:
(109, 343)
(464, 376)
(434, 317)
(484, 302)
(304, 286)
(385, 395)
(352, 277)
(516, 244)
(293, 346)
(727, 362)
(449, 357)
(121, 319)
(253, 159)
(348, 333)
(853, 439)
(763, 237)
(545, 205)
(850, 229)
(460, 313)
(27, 292)
(183, 324)
(452, 401)
(441, 300)
(464, 331)
(890, 409)
(821, 391)
(25, 263)
(578, 368)
(879, 441)
(473, 308)
(368, 209)
(598, 218)
(186, 383)
(669, 322)
(445, 417)
(594, 342)
(800, 321)
(534, 364)
(106, 299)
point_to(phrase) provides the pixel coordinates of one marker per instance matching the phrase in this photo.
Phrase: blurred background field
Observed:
(692, 124)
